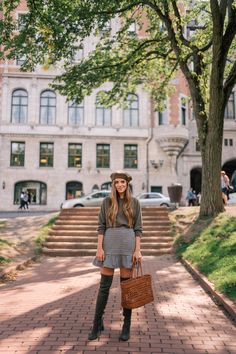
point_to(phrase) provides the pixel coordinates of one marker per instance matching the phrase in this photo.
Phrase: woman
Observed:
(119, 234)
(224, 187)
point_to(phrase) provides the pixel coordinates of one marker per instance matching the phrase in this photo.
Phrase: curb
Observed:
(9, 273)
(226, 303)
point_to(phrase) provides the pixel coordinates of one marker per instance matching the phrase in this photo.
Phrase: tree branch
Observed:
(229, 34)
(230, 82)
(118, 11)
(179, 26)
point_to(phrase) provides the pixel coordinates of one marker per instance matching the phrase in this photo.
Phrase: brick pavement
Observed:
(50, 307)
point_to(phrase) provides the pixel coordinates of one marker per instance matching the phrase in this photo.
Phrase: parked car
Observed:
(90, 200)
(153, 198)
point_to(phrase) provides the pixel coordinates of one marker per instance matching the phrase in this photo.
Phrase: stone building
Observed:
(58, 150)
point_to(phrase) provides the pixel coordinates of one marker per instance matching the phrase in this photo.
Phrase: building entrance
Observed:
(196, 179)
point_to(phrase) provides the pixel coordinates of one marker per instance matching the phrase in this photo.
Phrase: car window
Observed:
(144, 196)
(105, 194)
(155, 195)
(96, 195)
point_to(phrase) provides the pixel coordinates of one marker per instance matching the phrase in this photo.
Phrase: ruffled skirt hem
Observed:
(114, 261)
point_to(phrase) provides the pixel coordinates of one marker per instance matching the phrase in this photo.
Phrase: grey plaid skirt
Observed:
(118, 246)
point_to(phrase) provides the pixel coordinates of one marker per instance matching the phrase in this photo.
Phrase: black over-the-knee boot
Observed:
(102, 297)
(127, 313)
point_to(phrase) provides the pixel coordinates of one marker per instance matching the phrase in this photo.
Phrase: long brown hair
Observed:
(127, 206)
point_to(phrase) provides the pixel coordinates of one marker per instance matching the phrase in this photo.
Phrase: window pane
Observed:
(134, 118)
(75, 155)
(16, 100)
(17, 154)
(44, 101)
(46, 155)
(103, 155)
(230, 108)
(19, 106)
(48, 93)
(126, 118)
(131, 113)
(99, 116)
(23, 113)
(107, 117)
(130, 156)
(75, 113)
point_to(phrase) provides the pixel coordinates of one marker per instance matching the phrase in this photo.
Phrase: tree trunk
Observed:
(211, 201)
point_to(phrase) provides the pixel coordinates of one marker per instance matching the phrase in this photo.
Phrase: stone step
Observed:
(157, 232)
(70, 245)
(75, 233)
(94, 223)
(93, 227)
(95, 216)
(76, 222)
(90, 245)
(88, 252)
(93, 239)
(67, 252)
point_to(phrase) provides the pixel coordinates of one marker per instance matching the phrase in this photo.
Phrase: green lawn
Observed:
(40, 238)
(212, 250)
(2, 224)
(4, 244)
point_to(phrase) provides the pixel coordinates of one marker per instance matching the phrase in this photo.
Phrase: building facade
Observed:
(57, 150)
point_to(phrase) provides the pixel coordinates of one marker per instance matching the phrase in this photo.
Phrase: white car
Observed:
(232, 199)
(153, 199)
(90, 200)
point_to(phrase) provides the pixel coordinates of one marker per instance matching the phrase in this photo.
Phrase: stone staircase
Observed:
(74, 233)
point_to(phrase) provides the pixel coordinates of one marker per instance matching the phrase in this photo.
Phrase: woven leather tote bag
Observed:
(137, 290)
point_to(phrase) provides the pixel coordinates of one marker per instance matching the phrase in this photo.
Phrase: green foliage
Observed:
(2, 224)
(52, 31)
(213, 252)
(199, 38)
(4, 243)
(43, 232)
(4, 260)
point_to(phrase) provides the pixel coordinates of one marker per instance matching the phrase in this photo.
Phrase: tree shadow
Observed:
(173, 323)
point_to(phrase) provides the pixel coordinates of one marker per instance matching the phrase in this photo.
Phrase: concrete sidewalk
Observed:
(50, 307)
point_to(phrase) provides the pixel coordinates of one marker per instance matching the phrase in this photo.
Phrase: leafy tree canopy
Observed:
(195, 36)
(174, 34)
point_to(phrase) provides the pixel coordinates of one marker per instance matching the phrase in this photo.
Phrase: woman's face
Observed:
(120, 185)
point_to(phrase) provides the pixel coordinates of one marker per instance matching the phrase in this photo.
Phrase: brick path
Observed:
(49, 309)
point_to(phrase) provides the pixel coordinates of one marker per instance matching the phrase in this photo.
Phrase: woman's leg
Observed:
(125, 274)
(102, 297)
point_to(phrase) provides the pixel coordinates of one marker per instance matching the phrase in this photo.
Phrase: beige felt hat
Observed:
(121, 174)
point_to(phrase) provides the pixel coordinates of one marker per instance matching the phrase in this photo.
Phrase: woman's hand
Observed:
(137, 256)
(100, 254)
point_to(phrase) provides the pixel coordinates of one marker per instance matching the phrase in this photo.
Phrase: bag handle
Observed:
(136, 269)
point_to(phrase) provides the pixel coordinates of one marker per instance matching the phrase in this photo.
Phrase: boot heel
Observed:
(95, 334)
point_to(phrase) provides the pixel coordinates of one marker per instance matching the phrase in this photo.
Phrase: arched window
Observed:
(74, 189)
(47, 107)
(36, 190)
(95, 188)
(131, 112)
(103, 115)
(19, 106)
(75, 113)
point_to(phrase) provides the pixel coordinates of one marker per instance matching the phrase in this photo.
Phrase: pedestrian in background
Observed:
(224, 186)
(22, 201)
(119, 238)
(191, 197)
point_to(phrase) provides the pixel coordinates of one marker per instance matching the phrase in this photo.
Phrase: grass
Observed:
(40, 238)
(211, 248)
(2, 224)
(4, 243)
(4, 260)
